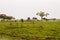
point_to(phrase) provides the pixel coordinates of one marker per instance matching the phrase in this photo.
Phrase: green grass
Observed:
(29, 31)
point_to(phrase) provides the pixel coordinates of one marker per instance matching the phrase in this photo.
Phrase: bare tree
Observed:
(42, 14)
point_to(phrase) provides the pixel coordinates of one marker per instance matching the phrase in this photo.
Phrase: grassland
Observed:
(28, 30)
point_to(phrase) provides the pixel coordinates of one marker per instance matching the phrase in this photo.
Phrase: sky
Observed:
(28, 8)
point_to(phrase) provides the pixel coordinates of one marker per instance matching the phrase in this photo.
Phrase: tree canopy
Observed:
(42, 14)
(4, 16)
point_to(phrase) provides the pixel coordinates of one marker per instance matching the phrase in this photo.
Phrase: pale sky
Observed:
(28, 8)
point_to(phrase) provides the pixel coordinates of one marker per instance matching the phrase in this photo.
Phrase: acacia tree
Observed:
(4, 16)
(42, 14)
(10, 17)
(34, 18)
(28, 19)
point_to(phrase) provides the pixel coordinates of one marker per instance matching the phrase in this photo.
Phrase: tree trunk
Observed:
(41, 18)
